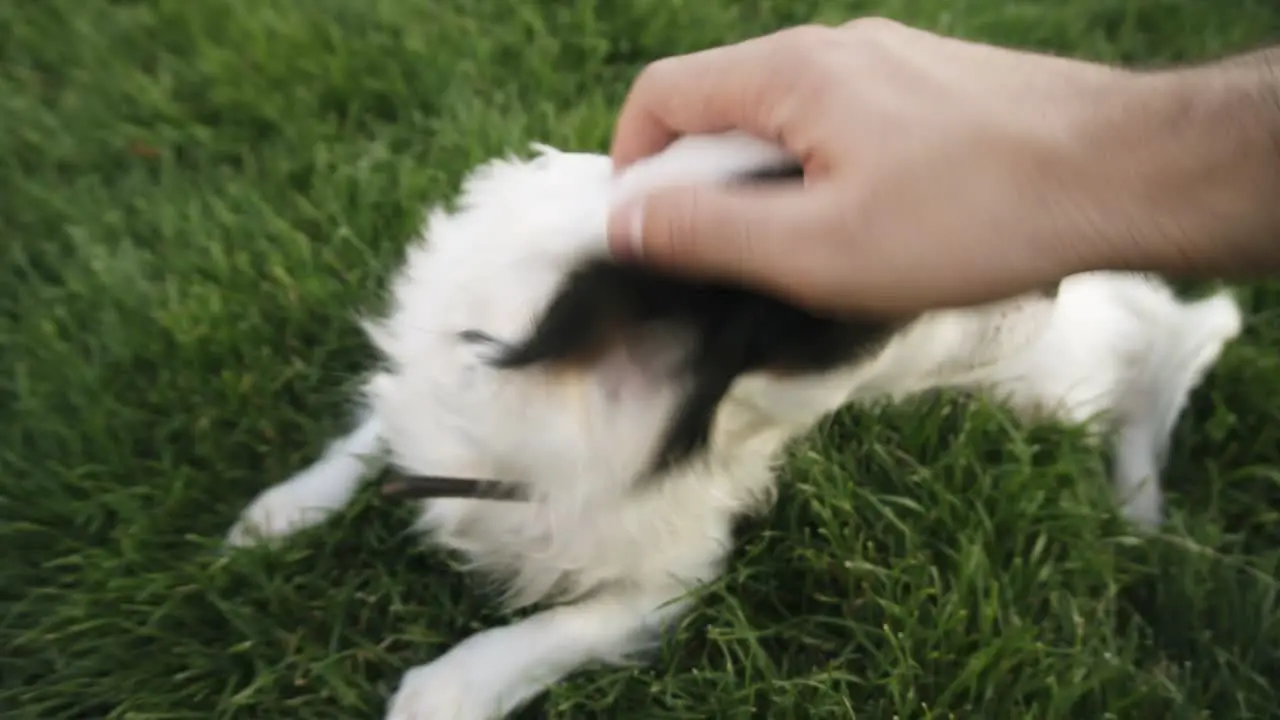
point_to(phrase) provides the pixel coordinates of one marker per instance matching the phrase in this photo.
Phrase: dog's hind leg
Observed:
(314, 494)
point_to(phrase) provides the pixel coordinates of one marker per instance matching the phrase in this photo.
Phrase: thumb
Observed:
(737, 233)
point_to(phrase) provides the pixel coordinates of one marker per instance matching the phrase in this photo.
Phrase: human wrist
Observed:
(1180, 172)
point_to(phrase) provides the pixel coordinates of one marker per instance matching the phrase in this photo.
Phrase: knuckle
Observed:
(801, 55)
(654, 75)
(871, 27)
(803, 36)
(797, 47)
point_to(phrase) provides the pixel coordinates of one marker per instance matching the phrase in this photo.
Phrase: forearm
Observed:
(1186, 165)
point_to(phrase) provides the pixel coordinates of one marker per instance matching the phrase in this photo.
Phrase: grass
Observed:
(195, 197)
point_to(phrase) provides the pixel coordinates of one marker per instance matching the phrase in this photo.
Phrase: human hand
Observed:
(938, 172)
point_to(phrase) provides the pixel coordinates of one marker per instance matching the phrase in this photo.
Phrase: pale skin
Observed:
(941, 172)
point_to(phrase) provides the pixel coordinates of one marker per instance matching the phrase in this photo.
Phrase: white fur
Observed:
(1118, 350)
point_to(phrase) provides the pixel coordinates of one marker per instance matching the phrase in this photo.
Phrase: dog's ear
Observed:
(595, 305)
(714, 332)
(600, 302)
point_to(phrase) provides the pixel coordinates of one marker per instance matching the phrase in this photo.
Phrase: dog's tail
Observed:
(1185, 340)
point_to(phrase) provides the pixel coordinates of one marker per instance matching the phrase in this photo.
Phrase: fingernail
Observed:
(625, 238)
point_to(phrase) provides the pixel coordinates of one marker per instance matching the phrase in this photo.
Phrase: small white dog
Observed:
(636, 416)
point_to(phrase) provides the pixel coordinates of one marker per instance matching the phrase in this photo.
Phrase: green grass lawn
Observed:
(196, 196)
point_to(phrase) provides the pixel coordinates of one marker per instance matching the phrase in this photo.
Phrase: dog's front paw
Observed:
(1144, 510)
(445, 690)
(278, 512)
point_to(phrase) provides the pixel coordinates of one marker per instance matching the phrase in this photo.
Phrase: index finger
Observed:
(708, 91)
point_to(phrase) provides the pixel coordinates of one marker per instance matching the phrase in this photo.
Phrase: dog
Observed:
(613, 422)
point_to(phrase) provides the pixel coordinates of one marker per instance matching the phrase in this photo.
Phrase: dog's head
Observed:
(520, 351)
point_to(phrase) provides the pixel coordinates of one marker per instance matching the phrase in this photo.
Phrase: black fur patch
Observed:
(736, 330)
